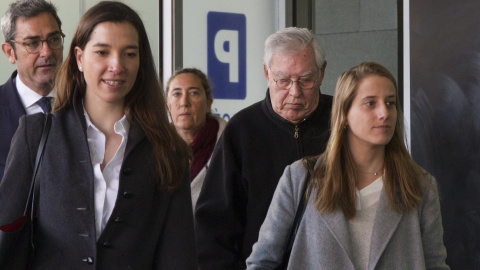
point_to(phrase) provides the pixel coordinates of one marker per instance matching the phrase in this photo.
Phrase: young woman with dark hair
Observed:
(114, 185)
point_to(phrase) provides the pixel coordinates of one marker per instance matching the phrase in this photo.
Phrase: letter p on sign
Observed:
(227, 54)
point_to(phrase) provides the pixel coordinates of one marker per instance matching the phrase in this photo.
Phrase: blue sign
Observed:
(227, 54)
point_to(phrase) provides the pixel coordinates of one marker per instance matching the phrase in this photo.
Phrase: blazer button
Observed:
(88, 260)
(127, 171)
(118, 219)
(107, 244)
(127, 195)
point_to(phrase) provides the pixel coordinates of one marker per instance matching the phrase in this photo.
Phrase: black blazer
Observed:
(148, 228)
(11, 109)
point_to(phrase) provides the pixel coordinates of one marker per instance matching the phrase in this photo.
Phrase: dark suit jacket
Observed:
(11, 109)
(148, 228)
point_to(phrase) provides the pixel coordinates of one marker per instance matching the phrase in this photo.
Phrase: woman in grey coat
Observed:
(369, 205)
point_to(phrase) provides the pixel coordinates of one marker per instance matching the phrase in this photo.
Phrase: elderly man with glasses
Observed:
(258, 143)
(33, 41)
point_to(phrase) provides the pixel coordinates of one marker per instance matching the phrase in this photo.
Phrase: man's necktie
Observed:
(45, 104)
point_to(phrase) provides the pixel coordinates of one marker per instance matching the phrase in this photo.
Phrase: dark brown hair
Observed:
(145, 104)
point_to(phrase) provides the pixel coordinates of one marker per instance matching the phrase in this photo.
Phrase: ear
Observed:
(9, 52)
(79, 57)
(265, 71)
(322, 72)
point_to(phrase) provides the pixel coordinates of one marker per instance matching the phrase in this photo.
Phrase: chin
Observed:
(383, 143)
(291, 116)
(183, 126)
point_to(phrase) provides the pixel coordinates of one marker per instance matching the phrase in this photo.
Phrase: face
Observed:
(294, 104)
(372, 116)
(109, 62)
(187, 103)
(38, 70)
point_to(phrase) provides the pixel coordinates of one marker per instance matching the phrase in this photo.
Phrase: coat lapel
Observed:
(80, 127)
(12, 100)
(385, 223)
(338, 226)
(135, 136)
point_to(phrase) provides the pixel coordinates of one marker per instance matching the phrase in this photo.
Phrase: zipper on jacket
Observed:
(296, 132)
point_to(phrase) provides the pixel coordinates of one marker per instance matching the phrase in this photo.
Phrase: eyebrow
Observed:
(190, 88)
(108, 46)
(368, 97)
(279, 73)
(51, 34)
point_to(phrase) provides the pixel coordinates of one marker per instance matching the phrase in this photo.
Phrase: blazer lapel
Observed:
(338, 226)
(79, 129)
(385, 223)
(135, 136)
(12, 101)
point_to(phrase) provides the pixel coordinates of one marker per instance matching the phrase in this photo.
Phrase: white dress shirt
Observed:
(106, 182)
(28, 97)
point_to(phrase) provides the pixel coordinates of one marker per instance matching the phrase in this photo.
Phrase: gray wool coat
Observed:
(412, 240)
(148, 228)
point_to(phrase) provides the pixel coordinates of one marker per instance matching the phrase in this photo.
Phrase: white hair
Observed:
(289, 40)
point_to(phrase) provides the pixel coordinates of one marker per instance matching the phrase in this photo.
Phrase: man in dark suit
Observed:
(33, 42)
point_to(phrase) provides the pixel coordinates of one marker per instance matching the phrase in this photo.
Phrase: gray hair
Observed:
(290, 40)
(25, 9)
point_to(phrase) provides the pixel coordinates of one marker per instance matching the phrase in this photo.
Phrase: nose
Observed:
(383, 112)
(295, 90)
(185, 100)
(45, 51)
(116, 64)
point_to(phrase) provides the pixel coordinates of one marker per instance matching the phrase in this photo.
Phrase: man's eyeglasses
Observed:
(285, 84)
(35, 45)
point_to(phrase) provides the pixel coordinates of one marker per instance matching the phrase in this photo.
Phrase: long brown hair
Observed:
(145, 104)
(335, 177)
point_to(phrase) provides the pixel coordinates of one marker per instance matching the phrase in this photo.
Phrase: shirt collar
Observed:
(27, 95)
(121, 127)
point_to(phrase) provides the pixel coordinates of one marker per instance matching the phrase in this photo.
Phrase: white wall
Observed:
(70, 12)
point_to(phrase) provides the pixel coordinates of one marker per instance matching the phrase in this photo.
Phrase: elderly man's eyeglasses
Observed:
(304, 83)
(33, 46)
